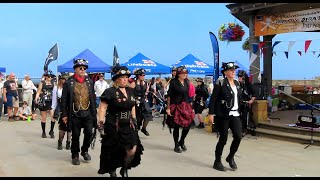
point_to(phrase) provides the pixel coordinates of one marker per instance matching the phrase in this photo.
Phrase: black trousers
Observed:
(82, 120)
(234, 123)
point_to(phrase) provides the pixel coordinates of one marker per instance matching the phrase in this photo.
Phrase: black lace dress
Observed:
(120, 135)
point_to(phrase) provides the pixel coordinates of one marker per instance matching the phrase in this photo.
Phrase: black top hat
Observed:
(119, 71)
(241, 73)
(139, 71)
(80, 62)
(229, 65)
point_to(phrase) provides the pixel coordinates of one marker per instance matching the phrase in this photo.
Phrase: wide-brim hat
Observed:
(63, 76)
(119, 71)
(199, 80)
(139, 71)
(49, 74)
(80, 62)
(229, 65)
(181, 70)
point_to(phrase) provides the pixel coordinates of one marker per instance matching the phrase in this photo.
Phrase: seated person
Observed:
(25, 112)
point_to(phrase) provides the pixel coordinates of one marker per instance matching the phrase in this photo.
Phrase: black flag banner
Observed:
(52, 56)
(115, 57)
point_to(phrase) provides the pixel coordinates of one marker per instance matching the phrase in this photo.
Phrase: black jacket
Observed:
(67, 100)
(222, 98)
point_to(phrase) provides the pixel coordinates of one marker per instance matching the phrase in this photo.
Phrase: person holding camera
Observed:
(224, 109)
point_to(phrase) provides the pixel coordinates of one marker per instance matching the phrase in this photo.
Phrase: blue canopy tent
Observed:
(151, 67)
(194, 65)
(2, 69)
(95, 63)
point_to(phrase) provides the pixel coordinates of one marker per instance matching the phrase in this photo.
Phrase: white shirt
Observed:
(26, 111)
(56, 93)
(28, 86)
(210, 88)
(100, 86)
(234, 111)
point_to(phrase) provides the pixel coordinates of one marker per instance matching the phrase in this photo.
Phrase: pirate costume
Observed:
(120, 130)
(78, 105)
(180, 109)
(143, 111)
(199, 100)
(56, 105)
(45, 101)
(225, 105)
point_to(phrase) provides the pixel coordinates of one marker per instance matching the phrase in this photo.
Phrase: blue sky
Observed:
(163, 32)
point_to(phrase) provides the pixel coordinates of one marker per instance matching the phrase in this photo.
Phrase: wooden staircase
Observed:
(286, 133)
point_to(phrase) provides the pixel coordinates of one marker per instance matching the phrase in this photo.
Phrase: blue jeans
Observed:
(97, 101)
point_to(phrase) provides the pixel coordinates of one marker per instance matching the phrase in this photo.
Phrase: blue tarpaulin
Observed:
(2, 69)
(95, 63)
(194, 65)
(151, 66)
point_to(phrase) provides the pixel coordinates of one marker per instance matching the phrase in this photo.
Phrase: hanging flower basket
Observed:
(245, 45)
(232, 32)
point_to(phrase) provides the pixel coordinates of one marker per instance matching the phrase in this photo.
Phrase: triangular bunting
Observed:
(299, 52)
(255, 48)
(318, 55)
(275, 43)
(259, 77)
(261, 45)
(275, 53)
(291, 43)
(314, 52)
(252, 58)
(306, 45)
(286, 53)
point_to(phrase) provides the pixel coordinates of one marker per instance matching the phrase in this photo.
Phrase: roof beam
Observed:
(253, 6)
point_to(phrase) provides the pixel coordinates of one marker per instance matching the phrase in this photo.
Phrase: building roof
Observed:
(243, 11)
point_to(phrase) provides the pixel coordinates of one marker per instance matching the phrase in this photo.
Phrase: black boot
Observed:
(145, 132)
(86, 156)
(68, 147)
(201, 125)
(177, 148)
(44, 135)
(231, 162)
(60, 145)
(51, 133)
(183, 147)
(75, 160)
(124, 172)
(113, 173)
(218, 166)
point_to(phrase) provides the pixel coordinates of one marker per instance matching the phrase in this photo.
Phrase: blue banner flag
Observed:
(215, 48)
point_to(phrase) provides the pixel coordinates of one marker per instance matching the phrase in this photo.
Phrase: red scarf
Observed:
(78, 78)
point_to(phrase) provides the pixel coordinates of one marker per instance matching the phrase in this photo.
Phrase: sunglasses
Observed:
(142, 75)
(83, 68)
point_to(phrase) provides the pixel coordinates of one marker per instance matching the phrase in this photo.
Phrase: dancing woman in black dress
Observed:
(121, 146)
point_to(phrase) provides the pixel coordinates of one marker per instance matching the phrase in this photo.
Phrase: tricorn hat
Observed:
(80, 62)
(119, 71)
